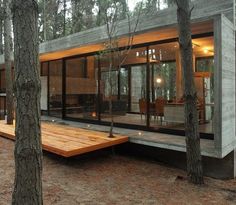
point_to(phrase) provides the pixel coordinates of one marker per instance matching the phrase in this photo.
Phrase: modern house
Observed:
(147, 89)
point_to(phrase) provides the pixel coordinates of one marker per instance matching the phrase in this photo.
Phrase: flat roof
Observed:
(162, 25)
(163, 22)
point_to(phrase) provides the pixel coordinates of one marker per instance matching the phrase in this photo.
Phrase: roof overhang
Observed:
(162, 25)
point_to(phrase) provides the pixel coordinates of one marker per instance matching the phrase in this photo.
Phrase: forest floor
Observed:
(113, 179)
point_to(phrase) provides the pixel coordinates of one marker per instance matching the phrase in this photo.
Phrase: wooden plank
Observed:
(68, 141)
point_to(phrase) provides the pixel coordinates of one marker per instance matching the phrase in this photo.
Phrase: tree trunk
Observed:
(194, 162)
(8, 69)
(111, 65)
(64, 18)
(1, 34)
(28, 150)
(110, 100)
(44, 21)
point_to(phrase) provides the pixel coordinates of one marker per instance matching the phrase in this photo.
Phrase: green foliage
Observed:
(58, 18)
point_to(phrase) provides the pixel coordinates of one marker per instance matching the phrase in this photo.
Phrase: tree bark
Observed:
(64, 18)
(194, 161)
(1, 26)
(28, 150)
(1, 34)
(8, 67)
(44, 13)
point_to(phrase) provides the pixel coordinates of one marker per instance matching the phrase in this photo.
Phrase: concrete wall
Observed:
(212, 167)
(228, 86)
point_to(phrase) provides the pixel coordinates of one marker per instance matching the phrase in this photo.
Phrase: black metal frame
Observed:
(132, 126)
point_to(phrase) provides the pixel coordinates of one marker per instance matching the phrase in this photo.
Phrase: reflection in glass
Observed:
(81, 88)
(2, 81)
(55, 88)
(166, 89)
(128, 88)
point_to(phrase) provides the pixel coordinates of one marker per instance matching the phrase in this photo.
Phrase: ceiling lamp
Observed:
(159, 80)
(205, 50)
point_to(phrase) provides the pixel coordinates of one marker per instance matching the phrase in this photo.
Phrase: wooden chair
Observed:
(159, 107)
(143, 107)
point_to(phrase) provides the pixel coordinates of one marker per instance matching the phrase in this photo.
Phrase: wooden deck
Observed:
(68, 141)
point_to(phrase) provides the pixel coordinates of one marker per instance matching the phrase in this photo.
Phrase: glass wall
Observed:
(142, 87)
(44, 87)
(166, 90)
(81, 88)
(2, 81)
(2, 95)
(55, 88)
(2, 107)
(125, 85)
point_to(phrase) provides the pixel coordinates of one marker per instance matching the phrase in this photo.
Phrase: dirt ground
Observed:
(103, 178)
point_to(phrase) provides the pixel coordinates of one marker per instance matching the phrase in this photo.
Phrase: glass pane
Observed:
(166, 89)
(55, 88)
(81, 88)
(44, 88)
(110, 84)
(2, 107)
(127, 88)
(44, 69)
(91, 94)
(124, 82)
(2, 81)
(205, 64)
(138, 86)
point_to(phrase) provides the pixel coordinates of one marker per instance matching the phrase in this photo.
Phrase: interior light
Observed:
(122, 70)
(140, 133)
(160, 55)
(205, 50)
(158, 80)
(94, 114)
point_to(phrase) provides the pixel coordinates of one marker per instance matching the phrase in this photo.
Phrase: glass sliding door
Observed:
(44, 87)
(166, 89)
(2, 82)
(138, 86)
(125, 86)
(2, 95)
(81, 88)
(75, 71)
(124, 91)
(55, 88)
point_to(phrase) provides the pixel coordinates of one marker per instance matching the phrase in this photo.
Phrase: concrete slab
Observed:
(152, 139)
